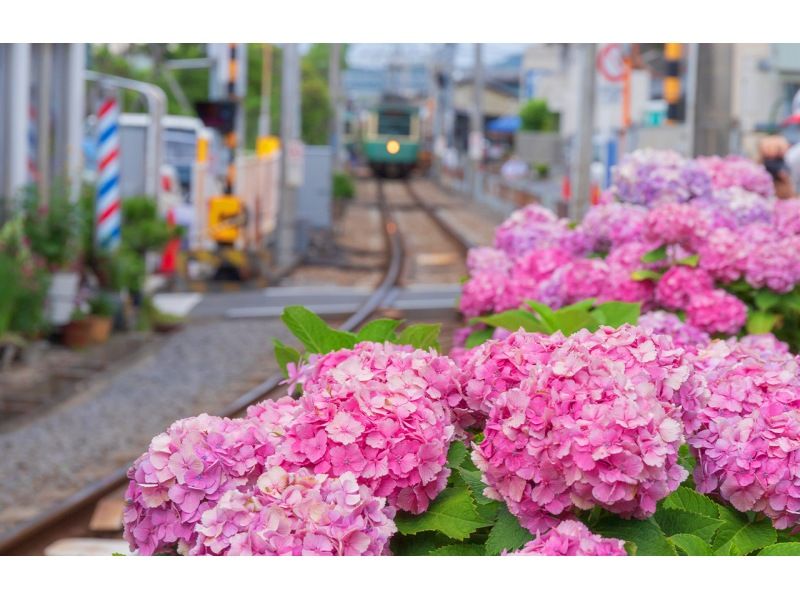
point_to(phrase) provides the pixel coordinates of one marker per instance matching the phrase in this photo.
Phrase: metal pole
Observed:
(44, 117)
(290, 133)
(19, 85)
(582, 151)
(337, 122)
(75, 114)
(476, 149)
(449, 108)
(691, 97)
(264, 123)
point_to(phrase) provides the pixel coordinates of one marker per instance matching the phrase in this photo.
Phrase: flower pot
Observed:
(99, 328)
(61, 297)
(77, 334)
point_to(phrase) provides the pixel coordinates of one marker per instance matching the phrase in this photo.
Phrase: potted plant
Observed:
(76, 334)
(100, 318)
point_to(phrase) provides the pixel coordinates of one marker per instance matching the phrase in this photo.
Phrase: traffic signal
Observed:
(219, 115)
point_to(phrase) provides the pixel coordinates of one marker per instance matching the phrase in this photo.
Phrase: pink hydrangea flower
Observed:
(483, 259)
(681, 224)
(296, 513)
(488, 292)
(679, 284)
(716, 312)
(532, 227)
(572, 538)
(188, 468)
(745, 428)
(382, 412)
(610, 225)
(629, 256)
(737, 171)
(683, 335)
(723, 254)
(598, 424)
(774, 264)
(786, 217)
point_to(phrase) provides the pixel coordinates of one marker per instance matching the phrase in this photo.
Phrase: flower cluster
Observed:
(296, 513)
(187, 469)
(737, 172)
(598, 424)
(572, 538)
(381, 412)
(683, 334)
(744, 426)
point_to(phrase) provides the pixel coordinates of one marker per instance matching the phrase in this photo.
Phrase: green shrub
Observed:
(536, 116)
(542, 170)
(101, 305)
(343, 186)
(51, 228)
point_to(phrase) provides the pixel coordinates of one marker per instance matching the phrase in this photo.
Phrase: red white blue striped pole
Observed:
(108, 206)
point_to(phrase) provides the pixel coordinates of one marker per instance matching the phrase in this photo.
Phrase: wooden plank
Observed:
(87, 547)
(107, 516)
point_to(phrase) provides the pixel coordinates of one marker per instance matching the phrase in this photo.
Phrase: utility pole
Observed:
(449, 108)
(582, 144)
(692, 56)
(16, 142)
(712, 118)
(290, 136)
(264, 124)
(44, 118)
(337, 121)
(476, 136)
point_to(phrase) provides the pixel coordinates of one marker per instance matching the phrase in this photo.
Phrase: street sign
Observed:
(611, 63)
(295, 162)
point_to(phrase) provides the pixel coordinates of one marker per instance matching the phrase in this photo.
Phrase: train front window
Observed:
(394, 123)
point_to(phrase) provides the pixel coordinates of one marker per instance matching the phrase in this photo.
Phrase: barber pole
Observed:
(108, 207)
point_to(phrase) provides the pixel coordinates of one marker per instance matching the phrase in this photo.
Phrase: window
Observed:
(394, 122)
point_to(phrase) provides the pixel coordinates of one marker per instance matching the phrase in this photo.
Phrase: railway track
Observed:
(70, 518)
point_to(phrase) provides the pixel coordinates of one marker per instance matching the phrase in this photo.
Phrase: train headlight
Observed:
(392, 146)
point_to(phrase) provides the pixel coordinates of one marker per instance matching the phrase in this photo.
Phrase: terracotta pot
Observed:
(99, 328)
(77, 334)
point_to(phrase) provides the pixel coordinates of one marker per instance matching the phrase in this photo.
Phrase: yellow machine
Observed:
(226, 216)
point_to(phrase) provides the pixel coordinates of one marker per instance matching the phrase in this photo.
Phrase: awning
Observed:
(504, 124)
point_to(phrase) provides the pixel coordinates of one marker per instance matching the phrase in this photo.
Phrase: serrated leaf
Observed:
(585, 304)
(378, 331)
(488, 510)
(617, 313)
(656, 255)
(476, 485)
(421, 336)
(285, 355)
(569, 321)
(456, 454)
(313, 332)
(459, 550)
(766, 299)
(453, 514)
(419, 544)
(760, 322)
(545, 313)
(478, 338)
(688, 462)
(512, 320)
(782, 549)
(691, 501)
(691, 545)
(640, 275)
(690, 261)
(740, 536)
(506, 534)
(648, 537)
(676, 521)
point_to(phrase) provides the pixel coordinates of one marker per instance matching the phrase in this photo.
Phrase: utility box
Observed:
(314, 196)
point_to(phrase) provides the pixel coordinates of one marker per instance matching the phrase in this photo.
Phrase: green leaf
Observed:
(739, 536)
(421, 336)
(419, 544)
(617, 313)
(378, 331)
(506, 534)
(640, 275)
(476, 485)
(688, 462)
(569, 321)
(782, 549)
(648, 537)
(456, 454)
(691, 501)
(488, 510)
(453, 514)
(478, 337)
(285, 355)
(691, 545)
(766, 299)
(656, 255)
(585, 304)
(690, 261)
(459, 550)
(545, 313)
(791, 300)
(512, 320)
(313, 332)
(676, 521)
(759, 322)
